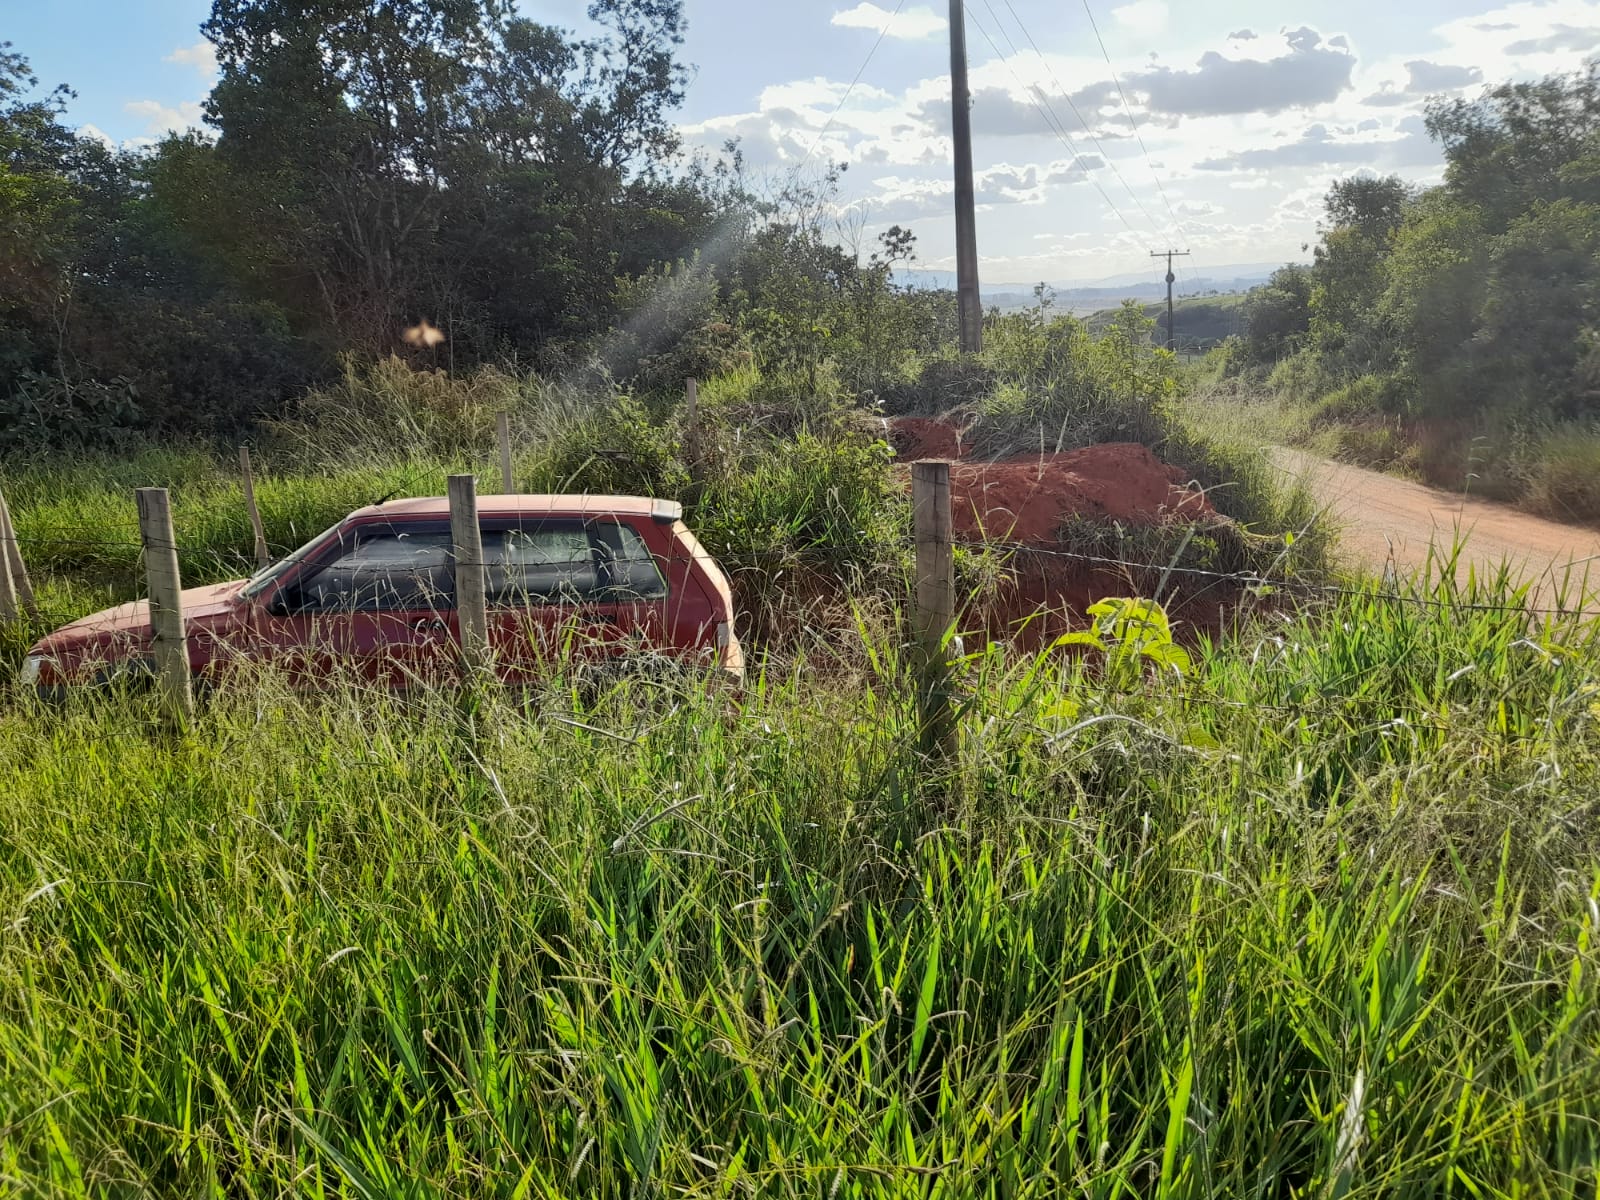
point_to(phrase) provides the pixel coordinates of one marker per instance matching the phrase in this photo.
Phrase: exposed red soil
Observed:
(924, 437)
(1022, 503)
(1025, 500)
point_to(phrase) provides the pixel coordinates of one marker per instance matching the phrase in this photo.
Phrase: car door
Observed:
(379, 605)
(565, 589)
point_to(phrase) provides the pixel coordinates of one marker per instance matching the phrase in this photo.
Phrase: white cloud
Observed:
(908, 23)
(202, 56)
(1142, 16)
(1523, 38)
(90, 130)
(162, 118)
(1245, 131)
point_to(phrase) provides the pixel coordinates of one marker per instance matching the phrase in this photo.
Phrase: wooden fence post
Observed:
(691, 419)
(936, 595)
(9, 609)
(467, 541)
(16, 590)
(169, 643)
(503, 430)
(263, 555)
(21, 585)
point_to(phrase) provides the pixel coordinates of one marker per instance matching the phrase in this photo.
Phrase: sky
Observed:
(1214, 126)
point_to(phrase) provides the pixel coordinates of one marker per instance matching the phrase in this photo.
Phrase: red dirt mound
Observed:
(1027, 500)
(921, 437)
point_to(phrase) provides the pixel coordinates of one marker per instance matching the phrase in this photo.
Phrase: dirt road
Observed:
(1383, 518)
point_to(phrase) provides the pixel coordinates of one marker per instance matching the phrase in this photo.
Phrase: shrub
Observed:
(388, 408)
(1302, 378)
(51, 412)
(614, 448)
(1363, 397)
(828, 492)
(1053, 381)
(1564, 478)
(938, 384)
(1379, 444)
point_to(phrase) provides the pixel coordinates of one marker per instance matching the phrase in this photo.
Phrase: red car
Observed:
(588, 577)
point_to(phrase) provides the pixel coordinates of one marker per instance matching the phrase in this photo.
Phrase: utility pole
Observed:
(968, 298)
(1172, 329)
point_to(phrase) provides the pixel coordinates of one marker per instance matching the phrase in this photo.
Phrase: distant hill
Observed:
(1084, 297)
(1203, 321)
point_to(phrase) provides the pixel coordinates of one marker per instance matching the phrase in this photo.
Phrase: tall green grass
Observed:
(1316, 918)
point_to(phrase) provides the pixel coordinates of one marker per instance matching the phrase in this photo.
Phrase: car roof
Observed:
(426, 507)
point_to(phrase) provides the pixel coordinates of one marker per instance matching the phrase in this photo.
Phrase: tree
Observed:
(1509, 149)
(1433, 295)
(1541, 306)
(1278, 315)
(37, 208)
(1373, 206)
(1363, 214)
(445, 158)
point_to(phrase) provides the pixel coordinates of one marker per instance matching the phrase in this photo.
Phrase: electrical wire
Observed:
(1054, 126)
(1128, 108)
(838, 108)
(1067, 96)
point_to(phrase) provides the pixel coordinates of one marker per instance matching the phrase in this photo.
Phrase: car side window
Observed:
(628, 570)
(387, 571)
(538, 563)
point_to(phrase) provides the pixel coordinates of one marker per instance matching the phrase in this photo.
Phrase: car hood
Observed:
(133, 619)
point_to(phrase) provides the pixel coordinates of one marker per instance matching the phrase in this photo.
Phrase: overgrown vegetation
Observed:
(1451, 332)
(1204, 322)
(1312, 914)
(526, 201)
(782, 469)
(1311, 911)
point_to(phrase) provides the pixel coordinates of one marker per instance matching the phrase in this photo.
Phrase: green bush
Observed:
(389, 408)
(1303, 377)
(1378, 444)
(829, 493)
(47, 413)
(1053, 382)
(613, 449)
(1563, 479)
(1364, 397)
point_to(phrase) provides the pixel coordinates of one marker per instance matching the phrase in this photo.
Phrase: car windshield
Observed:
(272, 572)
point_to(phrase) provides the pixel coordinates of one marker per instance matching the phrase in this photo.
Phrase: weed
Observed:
(1316, 914)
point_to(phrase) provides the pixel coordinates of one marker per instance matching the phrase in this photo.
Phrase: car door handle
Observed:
(435, 625)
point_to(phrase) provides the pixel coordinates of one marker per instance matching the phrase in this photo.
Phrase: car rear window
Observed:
(629, 570)
(526, 563)
(568, 562)
(549, 563)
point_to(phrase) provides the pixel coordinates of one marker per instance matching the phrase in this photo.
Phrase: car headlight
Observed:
(31, 668)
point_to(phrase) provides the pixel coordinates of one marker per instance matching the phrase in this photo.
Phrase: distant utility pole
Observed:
(968, 298)
(1172, 329)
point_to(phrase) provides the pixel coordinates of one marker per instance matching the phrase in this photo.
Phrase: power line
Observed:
(838, 108)
(1067, 96)
(1177, 222)
(1128, 108)
(1055, 127)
